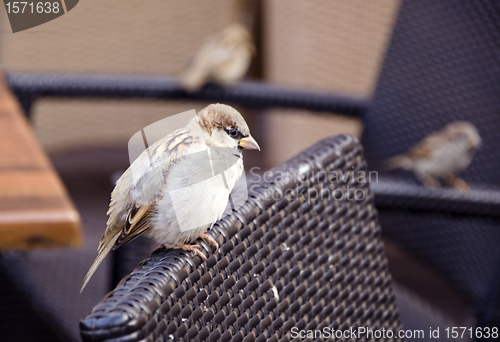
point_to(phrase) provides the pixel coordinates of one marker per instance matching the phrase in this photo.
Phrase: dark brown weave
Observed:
(293, 262)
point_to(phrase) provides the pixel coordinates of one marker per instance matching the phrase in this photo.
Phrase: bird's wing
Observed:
(425, 148)
(421, 151)
(138, 221)
(133, 200)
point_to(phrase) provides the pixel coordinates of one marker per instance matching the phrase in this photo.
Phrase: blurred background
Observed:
(158, 39)
(333, 46)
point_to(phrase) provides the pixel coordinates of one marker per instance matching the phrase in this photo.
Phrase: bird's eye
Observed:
(232, 132)
(459, 137)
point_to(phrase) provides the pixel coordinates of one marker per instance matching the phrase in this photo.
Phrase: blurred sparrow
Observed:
(441, 155)
(223, 58)
(179, 186)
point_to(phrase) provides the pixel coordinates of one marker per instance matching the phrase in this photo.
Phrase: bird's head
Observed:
(223, 126)
(237, 36)
(463, 132)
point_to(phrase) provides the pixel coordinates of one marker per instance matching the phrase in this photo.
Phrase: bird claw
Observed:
(196, 248)
(430, 182)
(458, 183)
(211, 240)
(192, 248)
(461, 185)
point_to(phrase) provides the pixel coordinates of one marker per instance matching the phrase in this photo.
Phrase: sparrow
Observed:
(441, 155)
(223, 58)
(179, 186)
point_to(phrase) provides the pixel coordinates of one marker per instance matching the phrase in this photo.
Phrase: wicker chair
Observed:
(442, 65)
(288, 259)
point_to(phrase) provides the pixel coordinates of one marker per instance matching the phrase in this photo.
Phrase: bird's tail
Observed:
(398, 162)
(103, 251)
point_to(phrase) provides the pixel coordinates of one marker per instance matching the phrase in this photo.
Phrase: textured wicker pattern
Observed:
(463, 248)
(257, 94)
(418, 314)
(282, 263)
(40, 296)
(19, 321)
(457, 234)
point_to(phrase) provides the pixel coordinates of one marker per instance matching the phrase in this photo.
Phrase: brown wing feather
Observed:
(424, 148)
(138, 221)
(421, 151)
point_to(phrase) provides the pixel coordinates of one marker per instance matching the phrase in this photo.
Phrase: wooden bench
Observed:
(35, 209)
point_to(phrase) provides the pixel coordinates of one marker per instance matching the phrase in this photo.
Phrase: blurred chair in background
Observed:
(442, 65)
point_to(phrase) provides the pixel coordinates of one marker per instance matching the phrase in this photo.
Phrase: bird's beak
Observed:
(249, 143)
(477, 143)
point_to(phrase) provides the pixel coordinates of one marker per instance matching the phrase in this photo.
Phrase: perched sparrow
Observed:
(179, 186)
(222, 58)
(441, 155)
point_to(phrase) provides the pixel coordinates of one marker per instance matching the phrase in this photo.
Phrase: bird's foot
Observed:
(211, 240)
(192, 248)
(430, 182)
(461, 185)
(457, 183)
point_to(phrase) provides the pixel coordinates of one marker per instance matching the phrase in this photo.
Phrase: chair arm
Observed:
(29, 86)
(395, 193)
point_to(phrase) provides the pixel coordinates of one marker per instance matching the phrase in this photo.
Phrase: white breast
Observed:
(195, 195)
(445, 159)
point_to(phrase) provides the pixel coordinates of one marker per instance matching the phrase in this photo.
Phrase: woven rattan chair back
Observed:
(292, 258)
